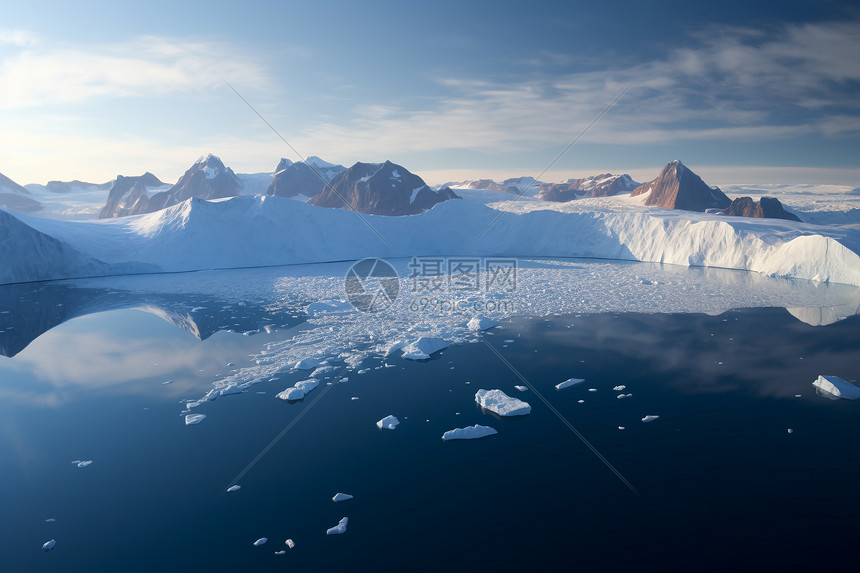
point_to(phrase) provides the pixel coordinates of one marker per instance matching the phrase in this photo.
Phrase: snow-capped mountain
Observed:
(766, 207)
(75, 186)
(679, 188)
(14, 197)
(130, 195)
(386, 189)
(303, 178)
(208, 178)
(603, 185)
(515, 185)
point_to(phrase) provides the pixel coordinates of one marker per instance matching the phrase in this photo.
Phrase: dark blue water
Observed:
(721, 485)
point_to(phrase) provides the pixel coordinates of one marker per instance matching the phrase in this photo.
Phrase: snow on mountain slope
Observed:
(257, 231)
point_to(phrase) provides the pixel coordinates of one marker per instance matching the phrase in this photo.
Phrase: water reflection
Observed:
(27, 311)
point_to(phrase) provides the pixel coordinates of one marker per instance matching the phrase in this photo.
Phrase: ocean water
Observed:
(717, 483)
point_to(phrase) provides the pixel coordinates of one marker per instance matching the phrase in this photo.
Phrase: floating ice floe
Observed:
(568, 383)
(388, 423)
(837, 387)
(619, 388)
(339, 528)
(592, 389)
(306, 364)
(790, 431)
(260, 541)
(341, 497)
(82, 463)
(480, 322)
(622, 396)
(167, 382)
(422, 348)
(580, 401)
(500, 403)
(290, 543)
(233, 488)
(48, 545)
(469, 433)
(50, 520)
(649, 418)
(322, 371)
(281, 552)
(521, 388)
(620, 427)
(192, 419)
(329, 307)
(298, 390)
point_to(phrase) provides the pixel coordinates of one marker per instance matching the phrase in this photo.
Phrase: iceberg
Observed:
(290, 543)
(836, 386)
(469, 433)
(422, 348)
(82, 463)
(568, 383)
(48, 545)
(341, 497)
(521, 388)
(500, 403)
(619, 388)
(299, 390)
(233, 488)
(649, 418)
(307, 364)
(261, 541)
(388, 423)
(339, 528)
(192, 419)
(480, 322)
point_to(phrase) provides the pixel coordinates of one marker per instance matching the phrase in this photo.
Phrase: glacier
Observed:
(249, 231)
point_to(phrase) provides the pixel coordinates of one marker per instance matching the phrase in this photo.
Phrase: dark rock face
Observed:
(767, 207)
(206, 179)
(679, 188)
(129, 196)
(306, 178)
(595, 186)
(375, 189)
(14, 197)
(283, 164)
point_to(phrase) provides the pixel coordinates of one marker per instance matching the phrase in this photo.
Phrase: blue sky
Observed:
(741, 91)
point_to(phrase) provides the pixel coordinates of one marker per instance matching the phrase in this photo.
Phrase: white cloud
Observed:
(143, 66)
(21, 38)
(733, 84)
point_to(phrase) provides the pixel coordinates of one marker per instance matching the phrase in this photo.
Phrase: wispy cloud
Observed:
(145, 66)
(733, 84)
(20, 38)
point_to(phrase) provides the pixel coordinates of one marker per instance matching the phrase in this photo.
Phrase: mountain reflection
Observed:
(27, 311)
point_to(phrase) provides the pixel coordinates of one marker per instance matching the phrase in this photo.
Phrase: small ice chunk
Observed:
(790, 431)
(509, 341)
(322, 371)
(422, 348)
(306, 364)
(622, 396)
(521, 388)
(649, 418)
(581, 401)
(260, 541)
(192, 419)
(281, 552)
(480, 322)
(167, 382)
(82, 463)
(500, 403)
(592, 389)
(50, 520)
(838, 387)
(469, 433)
(341, 497)
(290, 543)
(568, 383)
(48, 545)
(339, 528)
(388, 422)
(619, 388)
(354, 398)
(234, 488)
(620, 427)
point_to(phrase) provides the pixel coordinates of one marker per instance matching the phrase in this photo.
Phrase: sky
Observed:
(741, 91)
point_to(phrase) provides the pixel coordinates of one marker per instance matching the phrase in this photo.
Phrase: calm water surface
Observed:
(720, 483)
